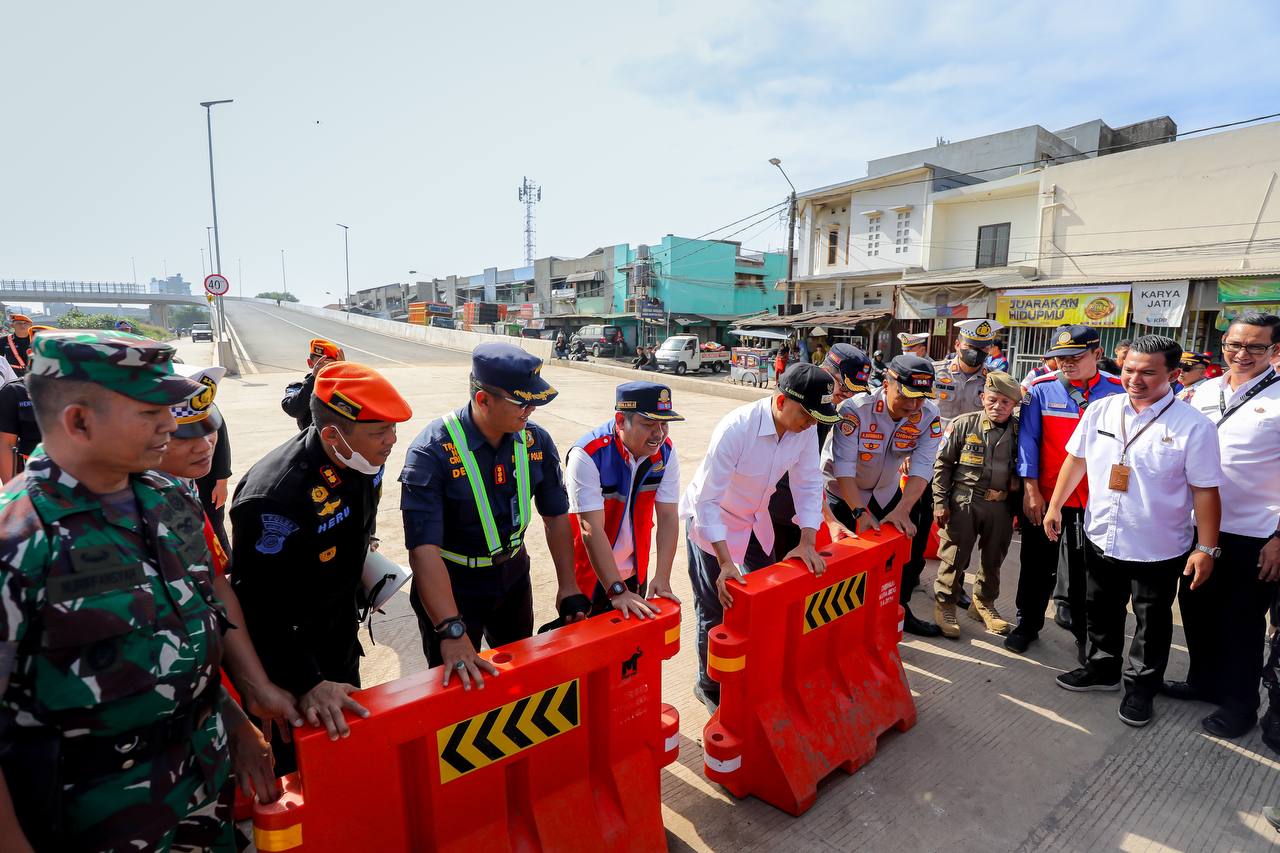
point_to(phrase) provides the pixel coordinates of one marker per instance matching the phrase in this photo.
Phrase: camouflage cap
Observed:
(137, 367)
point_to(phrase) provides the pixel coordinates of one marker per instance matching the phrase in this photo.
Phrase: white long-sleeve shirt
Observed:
(728, 499)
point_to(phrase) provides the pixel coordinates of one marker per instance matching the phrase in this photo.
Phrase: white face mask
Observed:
(356, 461)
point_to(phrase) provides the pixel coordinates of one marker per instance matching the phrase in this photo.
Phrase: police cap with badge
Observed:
(198, 416)
(139, 368)
(1072, 340)
(850, 365)
(1192, 360)
(813, 388)
(647, 399)
(510, 369)
(910, 339)
(980, 333)
(914, 375)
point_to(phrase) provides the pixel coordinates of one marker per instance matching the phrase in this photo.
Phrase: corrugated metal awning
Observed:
(584, 276)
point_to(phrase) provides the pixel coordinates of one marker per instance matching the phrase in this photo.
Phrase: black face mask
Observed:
(972, 357)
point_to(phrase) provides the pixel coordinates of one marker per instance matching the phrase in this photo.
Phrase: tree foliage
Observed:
(276, 294)
(77, 319)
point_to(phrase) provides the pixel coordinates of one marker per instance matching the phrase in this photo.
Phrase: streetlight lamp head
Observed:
(774, 161)
(207, 104)
(340, 225)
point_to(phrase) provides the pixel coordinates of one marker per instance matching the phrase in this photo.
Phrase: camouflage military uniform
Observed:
(110, 640)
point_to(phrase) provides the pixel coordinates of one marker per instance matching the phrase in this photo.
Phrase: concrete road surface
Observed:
(1001, 758)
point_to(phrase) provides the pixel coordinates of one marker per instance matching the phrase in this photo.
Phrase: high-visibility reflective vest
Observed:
(492, 541)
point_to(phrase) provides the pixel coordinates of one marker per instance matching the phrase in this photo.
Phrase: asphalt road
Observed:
(276, 341)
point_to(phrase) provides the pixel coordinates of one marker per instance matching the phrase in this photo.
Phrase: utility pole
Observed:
(791, 234)
(529, 194)
(134, 263)
(216, 260)
(346, 255)
(284, 281)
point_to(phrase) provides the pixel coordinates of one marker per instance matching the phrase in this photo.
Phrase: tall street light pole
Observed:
(216, 260)
(346, 254)
(791, 233)
(284, 282)
(208, 241)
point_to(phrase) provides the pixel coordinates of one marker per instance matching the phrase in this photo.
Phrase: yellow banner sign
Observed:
(1054, 307)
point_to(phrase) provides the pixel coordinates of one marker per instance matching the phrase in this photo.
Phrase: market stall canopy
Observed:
(828, 319)
(763, 334)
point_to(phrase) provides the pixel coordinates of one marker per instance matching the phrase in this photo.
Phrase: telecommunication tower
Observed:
(530, 194)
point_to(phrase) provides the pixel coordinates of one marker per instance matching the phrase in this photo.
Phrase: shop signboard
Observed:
(1102, 306)
(1160, 303)
(1249, 289)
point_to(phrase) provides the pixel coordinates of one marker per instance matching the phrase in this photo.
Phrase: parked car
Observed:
(441, 322)
(201, 332)
(683, 353)
(602, 340)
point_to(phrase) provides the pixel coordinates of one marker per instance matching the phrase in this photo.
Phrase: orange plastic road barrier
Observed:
(561, 751)
(809, 672)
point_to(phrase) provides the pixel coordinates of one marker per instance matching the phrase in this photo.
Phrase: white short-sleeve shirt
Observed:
(1151, 520)
(585, 495)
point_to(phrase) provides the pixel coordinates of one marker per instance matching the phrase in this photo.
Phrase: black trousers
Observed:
(782, 509)
(704, 570)
(1151, 587)
(496, 606)
(1225, 623)
(338, 662)
(922, 518)
(1038, 572)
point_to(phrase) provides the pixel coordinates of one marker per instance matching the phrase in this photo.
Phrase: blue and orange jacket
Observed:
(614, 464)
(1048, 418)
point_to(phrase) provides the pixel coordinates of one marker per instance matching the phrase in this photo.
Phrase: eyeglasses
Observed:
(1252, 349)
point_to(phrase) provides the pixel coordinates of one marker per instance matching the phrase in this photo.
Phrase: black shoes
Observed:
(1136, 710)
(919, 627)
(1085, 680)
(1183, 690)
(1017, 642)
(709, 699)
(963, 601)
(1271, 728)
(1228, 724)
(1062, 615)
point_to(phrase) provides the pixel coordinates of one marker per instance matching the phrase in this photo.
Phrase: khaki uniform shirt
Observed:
(976, 457)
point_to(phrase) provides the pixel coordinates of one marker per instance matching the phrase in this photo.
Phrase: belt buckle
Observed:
(993, 495)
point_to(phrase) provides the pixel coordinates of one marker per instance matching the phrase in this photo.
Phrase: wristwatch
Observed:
(1212, 552)
(452, 628)
(616, 589)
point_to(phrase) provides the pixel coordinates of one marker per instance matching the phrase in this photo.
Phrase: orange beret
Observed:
(320, 348)
(19, 318)
(360, 393)
(37, 329)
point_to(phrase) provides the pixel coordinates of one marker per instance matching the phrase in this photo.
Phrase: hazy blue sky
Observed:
(414, 122)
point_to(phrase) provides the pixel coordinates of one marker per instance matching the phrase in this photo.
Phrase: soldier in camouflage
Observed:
(110, 636)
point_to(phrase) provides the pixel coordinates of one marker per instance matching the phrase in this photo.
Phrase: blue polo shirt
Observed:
(436, 499)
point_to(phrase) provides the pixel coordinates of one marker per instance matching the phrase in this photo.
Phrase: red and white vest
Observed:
(613, 461)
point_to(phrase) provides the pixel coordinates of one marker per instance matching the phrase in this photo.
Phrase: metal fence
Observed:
(72, 287)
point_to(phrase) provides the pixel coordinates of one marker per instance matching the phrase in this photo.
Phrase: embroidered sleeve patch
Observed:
(275, 530)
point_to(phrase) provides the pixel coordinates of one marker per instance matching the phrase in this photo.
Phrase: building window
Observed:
(993, 245)
(590, 288)
(833, 245)
(873, 236)
(902, 235)
(746, 279)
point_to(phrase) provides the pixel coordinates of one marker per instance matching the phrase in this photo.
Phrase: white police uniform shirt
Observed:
(1249, 442)
(585, 495)
(728, 499)
(1151, 520)
(869, 446)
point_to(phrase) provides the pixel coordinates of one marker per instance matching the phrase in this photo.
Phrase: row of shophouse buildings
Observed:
(1134, 229)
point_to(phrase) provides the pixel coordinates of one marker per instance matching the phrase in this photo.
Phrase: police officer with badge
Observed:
(19, 432)
(624, 487)
(1194, 366)
(914, 343)
(850, 368)
(297, 395)
(110, 635)
(973, 478)
(959, 383)
(469, 485)
(15, 345)
(897, 424)
(302, 523)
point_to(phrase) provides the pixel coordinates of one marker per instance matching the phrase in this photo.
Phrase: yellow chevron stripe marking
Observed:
(469, 745)
(673, 635)
(831, 602)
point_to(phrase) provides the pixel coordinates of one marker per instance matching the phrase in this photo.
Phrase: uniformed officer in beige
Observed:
(975, 473)
(961, 377)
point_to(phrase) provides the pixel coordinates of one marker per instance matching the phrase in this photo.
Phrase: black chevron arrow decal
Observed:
(809, 618)
(483, 745)
(513, 733)
(450, 752)
(569, 704)
(822, 603)
(539, 719)
(860, 586)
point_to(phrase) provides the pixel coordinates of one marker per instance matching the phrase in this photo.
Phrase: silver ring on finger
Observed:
(460, 665)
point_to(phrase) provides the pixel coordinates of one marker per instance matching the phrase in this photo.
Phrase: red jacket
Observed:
(1047, 419)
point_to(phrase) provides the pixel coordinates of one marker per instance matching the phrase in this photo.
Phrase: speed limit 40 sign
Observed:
(217, 285)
